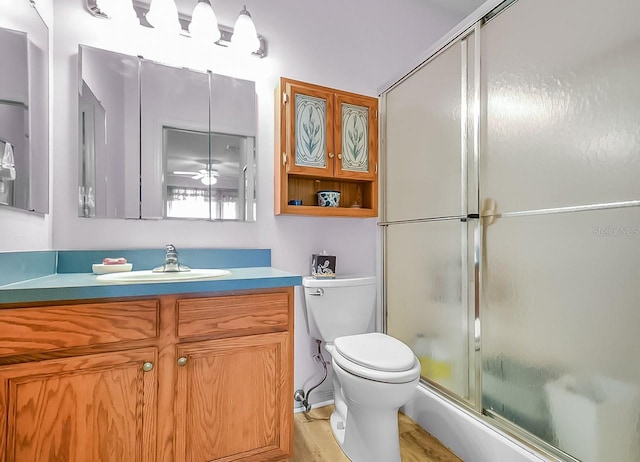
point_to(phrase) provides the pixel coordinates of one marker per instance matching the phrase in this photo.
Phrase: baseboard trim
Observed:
(298, 407)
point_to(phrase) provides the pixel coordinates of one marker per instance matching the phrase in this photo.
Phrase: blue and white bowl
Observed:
(329, 198)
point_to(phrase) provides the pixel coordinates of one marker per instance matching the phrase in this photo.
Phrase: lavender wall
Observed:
(333, 49)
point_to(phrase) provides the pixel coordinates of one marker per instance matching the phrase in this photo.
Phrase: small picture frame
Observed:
(323, 266)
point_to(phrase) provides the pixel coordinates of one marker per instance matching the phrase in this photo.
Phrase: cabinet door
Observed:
(98, 407)
(357, 137)
(309, 129)
(233, 399)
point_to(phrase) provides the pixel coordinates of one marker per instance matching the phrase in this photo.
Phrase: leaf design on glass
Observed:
(310, 133)
(355, 146)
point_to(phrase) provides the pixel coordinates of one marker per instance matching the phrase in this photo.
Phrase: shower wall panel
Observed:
(425, 287)
(536, 314)
(560, 104)
(560, 316)
(560, 118)
(425, 117)
(428, 146)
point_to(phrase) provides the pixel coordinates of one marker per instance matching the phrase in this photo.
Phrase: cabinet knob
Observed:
(330, 155)
(182, 361)
(147, 366)
(340, 156)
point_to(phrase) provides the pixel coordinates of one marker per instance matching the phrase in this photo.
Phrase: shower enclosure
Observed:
(512, 223)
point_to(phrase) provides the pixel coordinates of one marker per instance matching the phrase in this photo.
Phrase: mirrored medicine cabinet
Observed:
(161, 142)
(24, 110)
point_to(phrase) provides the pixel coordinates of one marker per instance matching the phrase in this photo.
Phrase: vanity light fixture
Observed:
(245, 37)
(163, 15)
(203, 24)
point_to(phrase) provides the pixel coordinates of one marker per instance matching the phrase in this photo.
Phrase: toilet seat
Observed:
(376, 356)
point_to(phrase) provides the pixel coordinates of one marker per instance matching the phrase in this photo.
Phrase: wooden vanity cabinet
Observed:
(99, 407)
(233, 391)
(208, 377)
(232, 399)
(325, 139)
(79, 382)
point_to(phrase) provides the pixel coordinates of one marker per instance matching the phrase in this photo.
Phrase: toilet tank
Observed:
(340, 306)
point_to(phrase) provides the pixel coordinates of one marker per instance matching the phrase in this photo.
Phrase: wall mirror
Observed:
(24, 111)
(160, 142)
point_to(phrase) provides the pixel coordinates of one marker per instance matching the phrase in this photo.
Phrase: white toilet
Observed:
(373, 374)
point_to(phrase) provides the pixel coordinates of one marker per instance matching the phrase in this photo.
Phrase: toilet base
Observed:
(337, 427)
(372, 436)
(365, 420)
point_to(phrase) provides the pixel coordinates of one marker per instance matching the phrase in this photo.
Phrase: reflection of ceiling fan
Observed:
(207, 176)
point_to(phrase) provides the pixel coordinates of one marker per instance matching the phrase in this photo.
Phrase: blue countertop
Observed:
(32, 277)
(80, 286)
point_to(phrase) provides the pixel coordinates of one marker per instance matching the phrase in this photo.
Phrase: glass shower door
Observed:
(426, 207)
(559, 169)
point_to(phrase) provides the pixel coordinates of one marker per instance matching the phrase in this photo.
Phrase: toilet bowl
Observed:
(369, 387)
(373, 374)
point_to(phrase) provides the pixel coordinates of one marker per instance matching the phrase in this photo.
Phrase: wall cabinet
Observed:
(174, 378)
(326, 139)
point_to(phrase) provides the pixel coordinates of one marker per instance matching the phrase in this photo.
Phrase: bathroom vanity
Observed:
(188, 371)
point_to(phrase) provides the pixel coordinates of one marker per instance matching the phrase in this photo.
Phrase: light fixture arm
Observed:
(94, 9)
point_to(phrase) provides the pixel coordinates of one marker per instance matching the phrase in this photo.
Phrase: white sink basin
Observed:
(135, 277)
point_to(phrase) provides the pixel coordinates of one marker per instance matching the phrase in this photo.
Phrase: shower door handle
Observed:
(317, 293)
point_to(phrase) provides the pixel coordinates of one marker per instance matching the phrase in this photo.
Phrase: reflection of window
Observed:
(194, 203)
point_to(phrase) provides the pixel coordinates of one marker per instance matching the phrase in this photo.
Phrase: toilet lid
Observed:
(376, 351)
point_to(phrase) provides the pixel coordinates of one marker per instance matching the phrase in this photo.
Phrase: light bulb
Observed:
(163, 15)
(204, 24)
(245, 37)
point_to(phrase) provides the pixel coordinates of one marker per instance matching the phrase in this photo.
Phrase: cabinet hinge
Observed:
(376, 114)
(285, 97)
(284, 158)
(376, 168)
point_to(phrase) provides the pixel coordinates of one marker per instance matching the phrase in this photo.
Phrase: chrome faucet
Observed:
(171, 263)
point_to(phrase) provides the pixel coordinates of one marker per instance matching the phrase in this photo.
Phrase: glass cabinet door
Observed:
(175, 114)
(357, 142)
(109, 138)
(309, 130)
(330, 133)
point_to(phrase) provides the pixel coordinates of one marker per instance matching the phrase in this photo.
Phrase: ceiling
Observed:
(464, 7)
(228, 8)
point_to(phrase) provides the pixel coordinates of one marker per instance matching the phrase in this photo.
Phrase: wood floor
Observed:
(314, 442)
